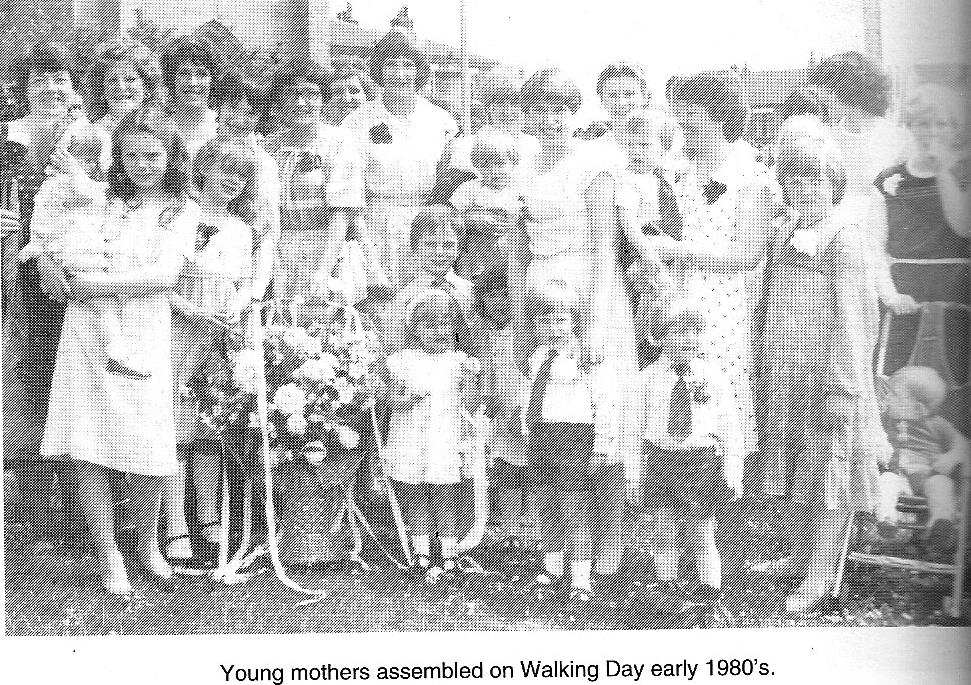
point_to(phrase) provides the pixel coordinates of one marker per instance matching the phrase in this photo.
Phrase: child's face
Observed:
(681, 344)
(437, 251)
(124, 89)
(144, 160)
(643, 151)
(549, 120)
(497, 173)
(192, 84)
(621, 95)
(495, 304)
(505, 114)
(303, 104)
(236, 119)
(901, 405)
(346, 95)
(811, 197)
(933, 132)
(224, 182)
(436, 333)
(556, 328)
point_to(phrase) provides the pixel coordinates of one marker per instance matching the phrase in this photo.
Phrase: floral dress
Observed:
(425, 443)
(812, 343)
(117, 421)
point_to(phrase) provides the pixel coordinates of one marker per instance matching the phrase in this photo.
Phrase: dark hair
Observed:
(183, 50)
(433, 301)
(493, 146)
(805, 100)
(233, 88)
(548, 85)
(298, 71)
(218, 150)
(434, 218)
(620, 70)
(810, 157)
(348, 71)
(855, 81)
(394, 45)
(48, 58)
(495, 275)
(138, 57)
(720, 95)
(155, 122)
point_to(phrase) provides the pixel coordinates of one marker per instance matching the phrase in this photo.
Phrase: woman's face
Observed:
(621, 95)
(144, 160)
(192, 84)
(811, 196)
(701, 133)
(933, 132)
(236, 119)
(550, 120)
(124, 89)
(399, 74)
(49, 92)
(303, 104)
(346, 95)
(505, 114)
(224, 182)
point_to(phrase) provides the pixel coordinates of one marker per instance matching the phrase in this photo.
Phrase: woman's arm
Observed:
(518, 261)
(876, 237)
(956, 202)
(600, 197)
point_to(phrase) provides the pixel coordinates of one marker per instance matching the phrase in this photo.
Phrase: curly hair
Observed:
(155, 122)
(184, 50)
(550, 85)
(807, 100)
(130, 54)
(347, 71)
(298, 71)
(620, 70)
(218, 152)
(395, 45)
(719, 95)
(855, 81)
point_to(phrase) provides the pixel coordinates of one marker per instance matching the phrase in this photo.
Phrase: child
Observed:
(503, 385)
(928, 451)
(215, 285)
(819, 420)
(489, 203)
(431, 386)
(70, 207)
(570, 426)
(693, 452)
(434, 238)
(107, 421)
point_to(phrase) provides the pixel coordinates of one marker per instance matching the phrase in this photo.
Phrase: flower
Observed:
(348, 437)
(315, 370)
(805, 241)
(289, 399)
(296, 424)
(891, 183)
(315, 452)
(345, 391)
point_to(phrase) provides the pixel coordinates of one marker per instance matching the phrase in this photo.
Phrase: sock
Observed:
(422, 544)
(580, 574)
(450, 548)
(554, 563)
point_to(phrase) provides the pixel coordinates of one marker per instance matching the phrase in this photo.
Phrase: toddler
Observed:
(693, 449)
(431, 386)
(69, 209)
(928, 453)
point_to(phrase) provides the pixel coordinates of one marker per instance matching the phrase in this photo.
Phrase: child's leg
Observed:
(892, 485)
(443, 500)
(575, 505)
(147, 498)
(828, 530)
(94, 496)
(941, 498)
(607, 520)
(668, 551)
(701, 542)
(205, 479)
(416, 498)
(173, 504)
(551, 532)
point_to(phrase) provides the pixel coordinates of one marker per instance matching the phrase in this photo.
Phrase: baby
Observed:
(68, 210)
(928, 454)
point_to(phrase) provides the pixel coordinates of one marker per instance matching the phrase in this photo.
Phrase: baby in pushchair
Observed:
(929, 453)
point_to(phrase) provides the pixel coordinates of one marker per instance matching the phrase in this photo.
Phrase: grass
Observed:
(56, 593)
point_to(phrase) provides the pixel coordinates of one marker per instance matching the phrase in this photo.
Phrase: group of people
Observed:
(644, 310)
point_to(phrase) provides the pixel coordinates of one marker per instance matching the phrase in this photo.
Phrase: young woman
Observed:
(189, 69)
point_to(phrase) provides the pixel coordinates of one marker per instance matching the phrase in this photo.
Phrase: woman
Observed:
(188, 70)
(47, 82)
(569, 240)
(402, 137)
(726, 203)
(923, 224)
(322, 186)
(349, 89)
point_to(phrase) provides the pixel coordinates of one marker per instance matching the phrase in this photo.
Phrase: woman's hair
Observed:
(805, 100)
(394, 45)
(620, 70)
(809, 153)
(298, 71)
(718, 94)
(499, 84)
(131, 54)
(494, 146)
(235, 87)
(932, 98)
(184, 50)
(220, 152)
(550, 85)
(46, 58)
(347, 71)
(923, 384)
(431, 220)
(154, 122)
(855, 81)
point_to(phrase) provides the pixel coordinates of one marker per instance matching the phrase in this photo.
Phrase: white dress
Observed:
(424, 442)
(722, 297)
(117, 421)
(401, 157)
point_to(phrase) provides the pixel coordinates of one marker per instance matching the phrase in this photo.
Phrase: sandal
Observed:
(207, 550)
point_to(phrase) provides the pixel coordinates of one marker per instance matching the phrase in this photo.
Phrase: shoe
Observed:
(578, 608)
(114, 577)
(420, 567)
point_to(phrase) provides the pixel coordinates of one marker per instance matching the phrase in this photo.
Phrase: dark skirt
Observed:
(687, 481)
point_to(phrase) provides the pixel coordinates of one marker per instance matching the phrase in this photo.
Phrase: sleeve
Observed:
(45, 223)
(345, 186)
(730, 435)
(605, 419)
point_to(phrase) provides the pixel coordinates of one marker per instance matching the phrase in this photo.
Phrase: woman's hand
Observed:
(53, 279)
(899, 303)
